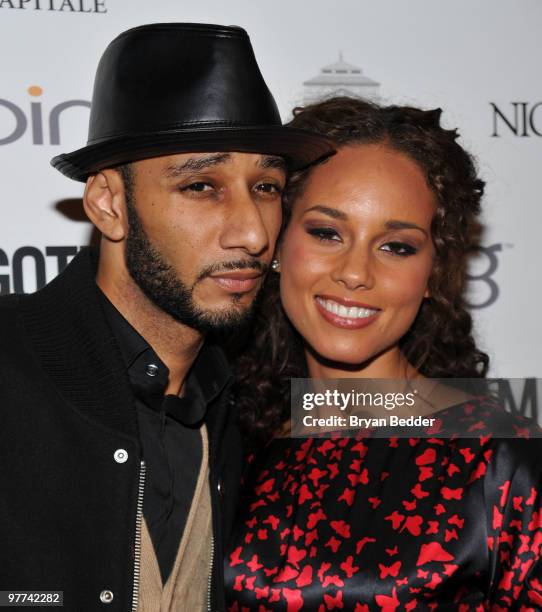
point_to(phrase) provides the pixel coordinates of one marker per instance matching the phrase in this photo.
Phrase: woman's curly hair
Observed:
(439, 343)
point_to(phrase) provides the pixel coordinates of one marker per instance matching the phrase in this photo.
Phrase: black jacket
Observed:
(68, 507)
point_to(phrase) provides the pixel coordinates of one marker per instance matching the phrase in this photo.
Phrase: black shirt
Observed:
(169, 430)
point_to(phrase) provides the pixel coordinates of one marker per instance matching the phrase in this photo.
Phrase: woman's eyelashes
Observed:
(402, 249)
(393, 247)
(324, 234)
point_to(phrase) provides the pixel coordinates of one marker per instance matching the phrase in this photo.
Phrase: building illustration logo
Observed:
(340, 79)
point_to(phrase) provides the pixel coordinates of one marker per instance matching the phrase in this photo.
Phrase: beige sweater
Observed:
(187, 586)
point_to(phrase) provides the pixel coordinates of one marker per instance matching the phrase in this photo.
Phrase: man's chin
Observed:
(235, 318)
(228, 319)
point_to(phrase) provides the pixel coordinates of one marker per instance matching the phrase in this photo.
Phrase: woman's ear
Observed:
(105, 204)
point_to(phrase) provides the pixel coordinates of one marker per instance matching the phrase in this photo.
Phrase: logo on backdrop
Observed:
(340, 79)
(483, 290)
(59, 6)
(521, 119)
(26, 270)
(42, 124)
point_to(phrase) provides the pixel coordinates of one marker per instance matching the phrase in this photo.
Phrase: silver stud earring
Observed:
(275, 265)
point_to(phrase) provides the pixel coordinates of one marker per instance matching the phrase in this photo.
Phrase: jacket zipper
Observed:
(210, 580)
(137, 547)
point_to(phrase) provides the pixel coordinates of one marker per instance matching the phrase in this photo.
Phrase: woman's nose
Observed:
(354, 269)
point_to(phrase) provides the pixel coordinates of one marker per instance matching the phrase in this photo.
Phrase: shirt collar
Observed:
(208, 377)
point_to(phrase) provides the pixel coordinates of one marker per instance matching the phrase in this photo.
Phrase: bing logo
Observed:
(43, 124)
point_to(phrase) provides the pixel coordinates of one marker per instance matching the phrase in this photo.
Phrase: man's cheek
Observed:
(273, 227)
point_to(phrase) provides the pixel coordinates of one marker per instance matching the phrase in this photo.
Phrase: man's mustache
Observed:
(228, 266)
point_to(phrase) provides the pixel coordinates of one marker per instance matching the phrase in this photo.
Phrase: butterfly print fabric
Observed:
(362, 524)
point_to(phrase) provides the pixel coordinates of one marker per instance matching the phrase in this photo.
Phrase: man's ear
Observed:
(105, 204)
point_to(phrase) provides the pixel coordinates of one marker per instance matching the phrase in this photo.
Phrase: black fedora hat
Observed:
(183, 87)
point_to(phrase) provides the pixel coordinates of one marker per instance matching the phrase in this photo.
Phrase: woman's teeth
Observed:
(352, 312)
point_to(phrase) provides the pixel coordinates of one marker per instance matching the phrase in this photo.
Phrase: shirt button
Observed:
(106, 597)
(220, 488)
(120, 456)
(152, 369)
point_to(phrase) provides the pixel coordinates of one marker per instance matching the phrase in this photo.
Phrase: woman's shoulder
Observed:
(486, 415)
(509, 444)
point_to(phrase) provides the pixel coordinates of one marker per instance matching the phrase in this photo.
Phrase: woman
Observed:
(371, 268)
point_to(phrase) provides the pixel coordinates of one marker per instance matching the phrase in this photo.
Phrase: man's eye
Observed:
(197, 187)
(268, 188)
(399, 248)
(324, 234)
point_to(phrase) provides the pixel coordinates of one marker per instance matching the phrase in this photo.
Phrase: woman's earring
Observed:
(275, 265)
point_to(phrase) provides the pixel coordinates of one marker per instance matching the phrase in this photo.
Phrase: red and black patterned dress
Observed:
(361, 524)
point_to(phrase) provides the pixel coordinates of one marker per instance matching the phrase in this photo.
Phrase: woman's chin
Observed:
(340, 358)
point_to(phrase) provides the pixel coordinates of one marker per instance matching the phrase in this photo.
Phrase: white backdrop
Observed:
(478, 61)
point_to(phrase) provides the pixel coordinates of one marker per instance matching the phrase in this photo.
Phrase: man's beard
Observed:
(159, 282)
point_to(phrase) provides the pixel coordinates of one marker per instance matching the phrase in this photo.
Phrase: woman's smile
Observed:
(345, 313)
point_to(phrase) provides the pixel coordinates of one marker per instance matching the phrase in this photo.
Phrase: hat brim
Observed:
(299, 148)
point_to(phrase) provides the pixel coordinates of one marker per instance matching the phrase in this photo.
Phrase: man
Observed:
(120, 457)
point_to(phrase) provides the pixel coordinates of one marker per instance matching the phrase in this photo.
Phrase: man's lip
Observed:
(237, 281)
(238, 275)
(346, 301)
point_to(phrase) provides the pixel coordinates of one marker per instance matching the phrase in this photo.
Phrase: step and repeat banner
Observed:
(478, 61)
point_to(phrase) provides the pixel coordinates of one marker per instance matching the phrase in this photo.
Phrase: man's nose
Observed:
(244, 226)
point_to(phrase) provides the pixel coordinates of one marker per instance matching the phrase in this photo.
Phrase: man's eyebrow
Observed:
(335, 213)
(195, 164)
(273, 161)
(396, 224)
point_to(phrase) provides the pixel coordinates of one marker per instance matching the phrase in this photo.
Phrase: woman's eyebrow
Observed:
(396, 224)
(335, 213)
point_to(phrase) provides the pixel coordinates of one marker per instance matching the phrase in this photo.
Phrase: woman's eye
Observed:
(324, 234)
(197, 187)
(399, 248)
